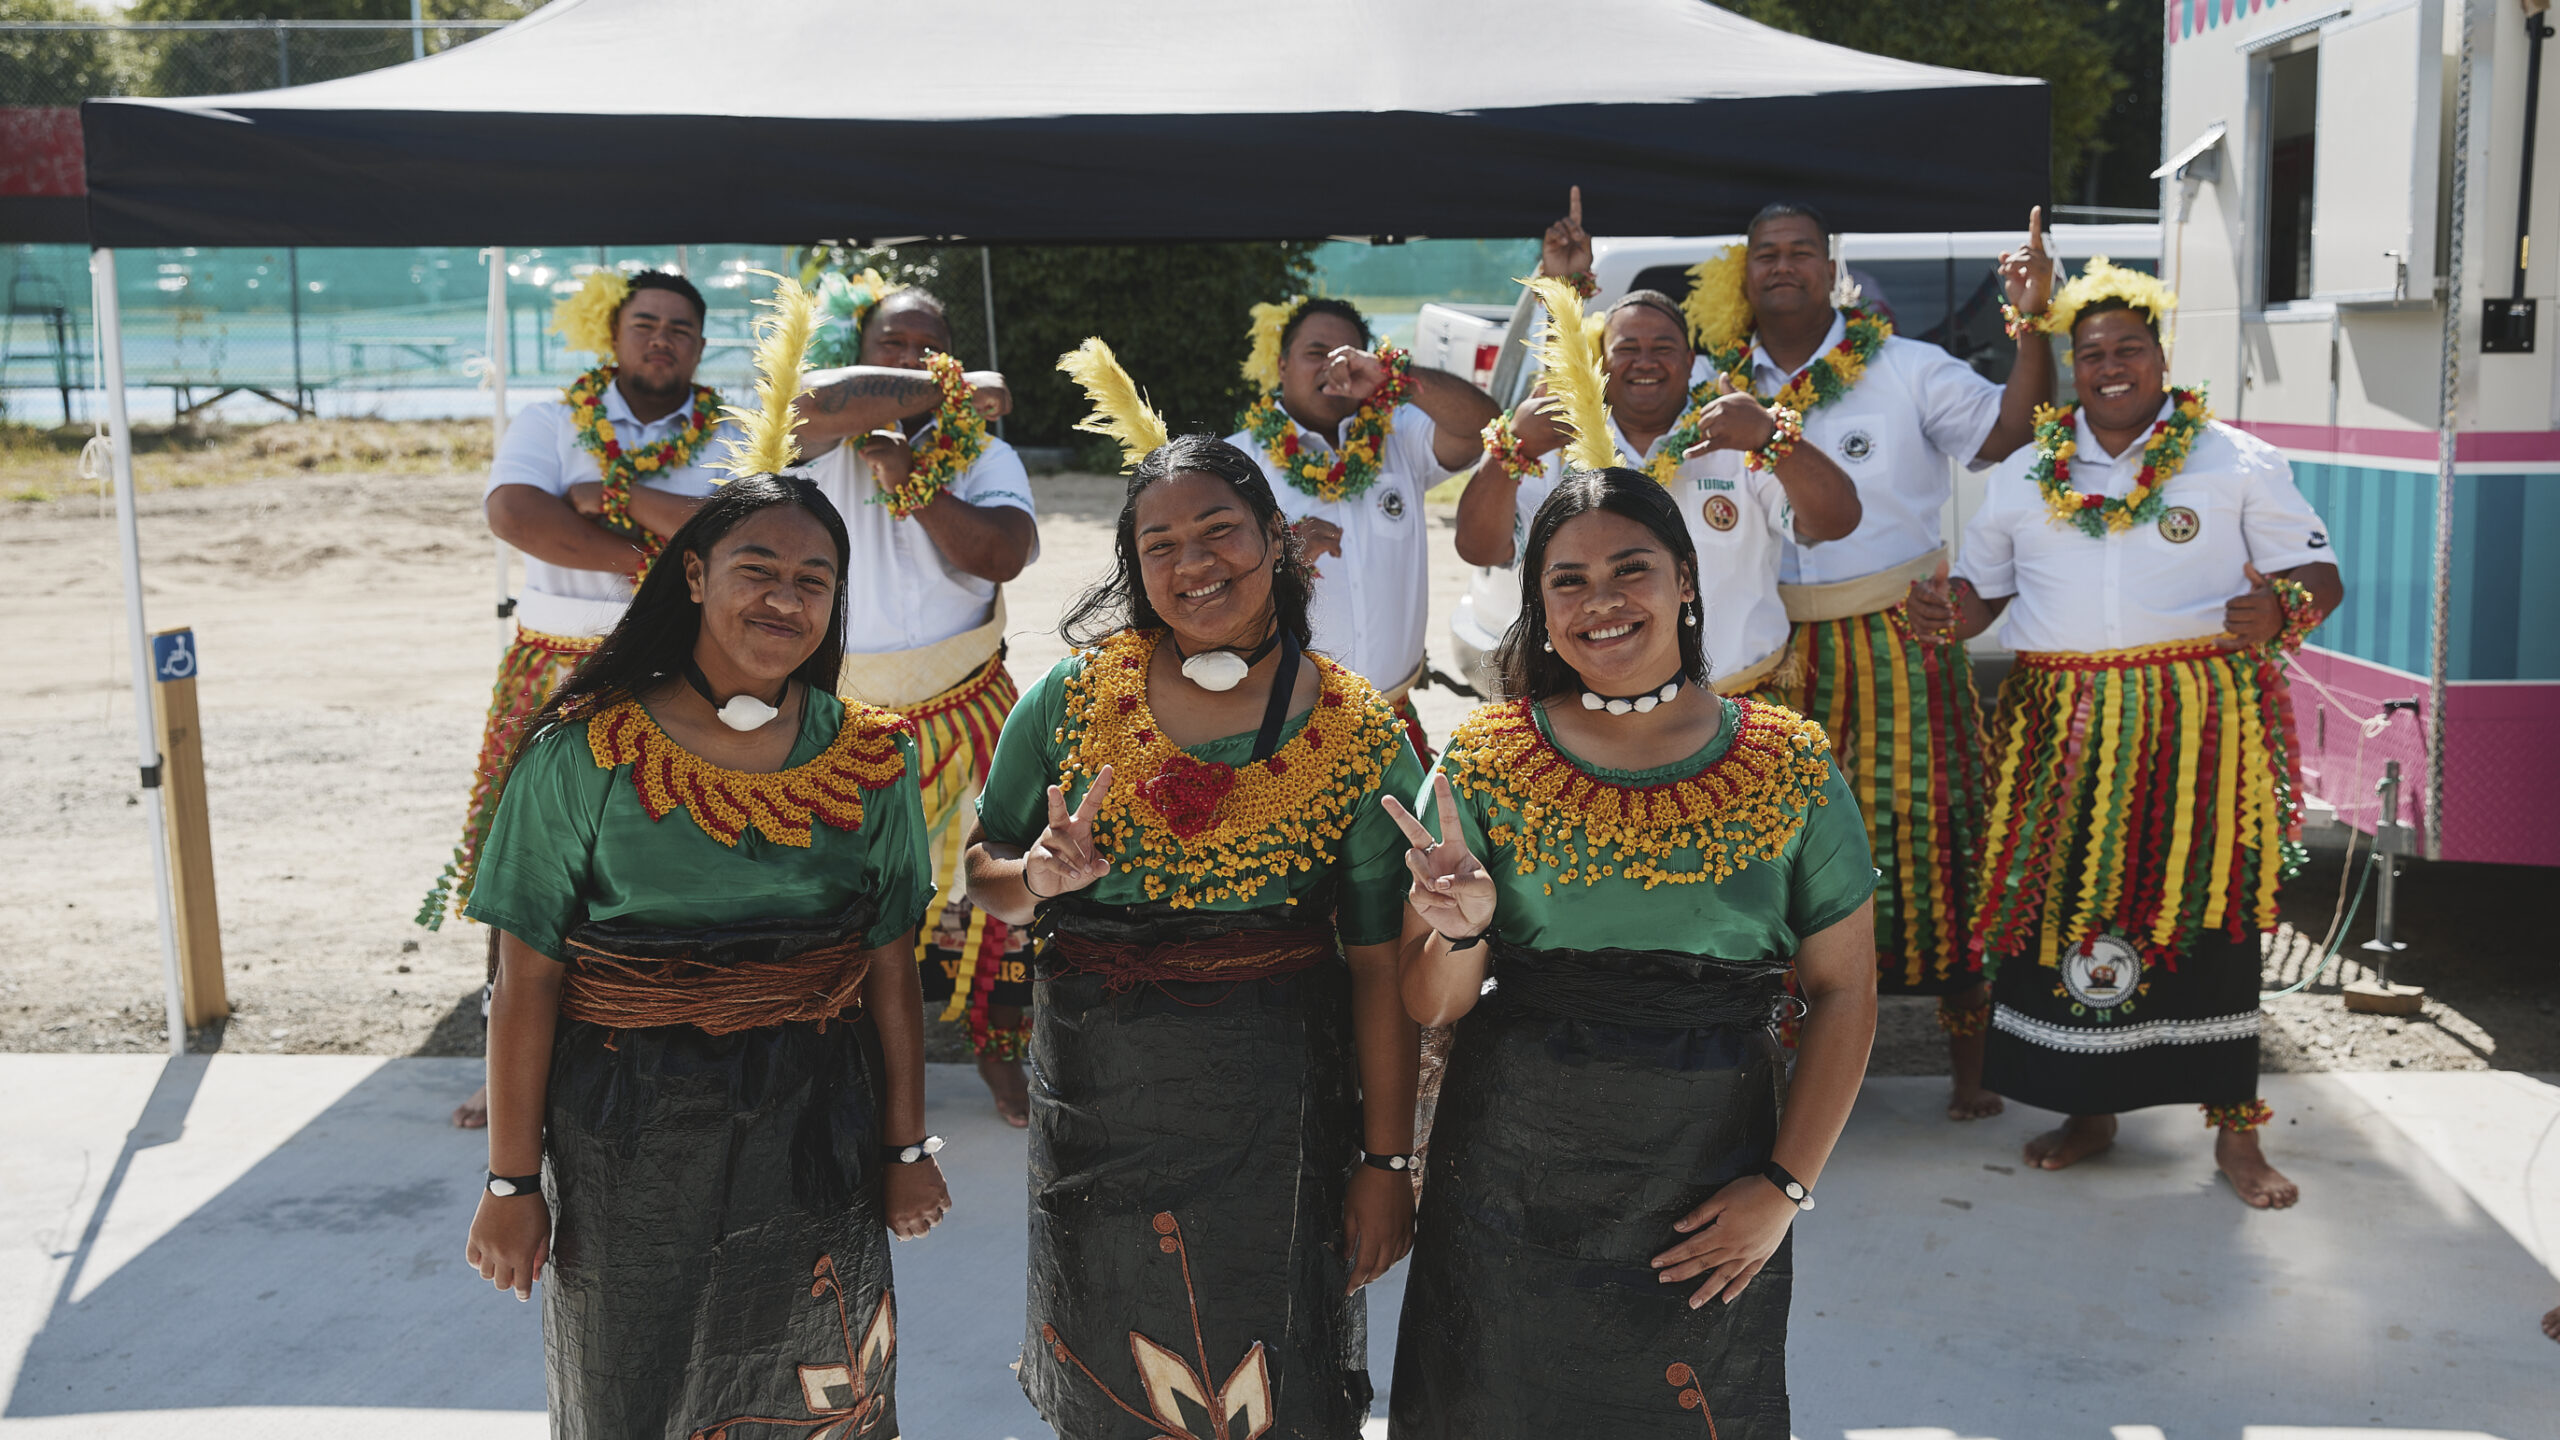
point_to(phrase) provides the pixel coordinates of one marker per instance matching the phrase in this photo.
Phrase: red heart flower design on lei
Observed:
(1186, 792)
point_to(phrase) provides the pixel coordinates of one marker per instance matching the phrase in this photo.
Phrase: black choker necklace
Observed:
(743, 712)
(1622, 704)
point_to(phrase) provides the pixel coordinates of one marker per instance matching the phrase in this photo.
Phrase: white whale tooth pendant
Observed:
(1215, 669)
(746, 712)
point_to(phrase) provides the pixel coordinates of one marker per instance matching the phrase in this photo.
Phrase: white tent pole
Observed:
(498, 337)
(102, 285)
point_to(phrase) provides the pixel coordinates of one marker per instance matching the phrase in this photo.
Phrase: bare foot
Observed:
(1013, 1092)
(1964, 1057)
(2080, 1137)
(2551, 1322)
(2260, 1184)
(473, 1114)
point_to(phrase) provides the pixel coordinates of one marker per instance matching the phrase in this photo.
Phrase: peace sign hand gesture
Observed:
(2027, 275)
(1566, 247)
(1065, 859)
(1452, 891)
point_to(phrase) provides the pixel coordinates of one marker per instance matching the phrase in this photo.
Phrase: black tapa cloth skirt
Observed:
(2108, 1031)
(719, 1251)
(1569, 1139)
(1191, 1143)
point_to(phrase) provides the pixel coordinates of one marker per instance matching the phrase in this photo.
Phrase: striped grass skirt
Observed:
(535, 665)
(971, 961)
(1904, 723)
(2151, 794)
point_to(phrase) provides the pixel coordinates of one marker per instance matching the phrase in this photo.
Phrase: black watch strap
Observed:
(505, 1186)
(1788, 1185)
(1399, 1163)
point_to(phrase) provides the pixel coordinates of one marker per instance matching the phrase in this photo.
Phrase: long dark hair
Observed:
(1528, 668)
(656, 634)
(1120, 598)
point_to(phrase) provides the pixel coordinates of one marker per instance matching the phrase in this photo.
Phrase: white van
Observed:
(1941, 287)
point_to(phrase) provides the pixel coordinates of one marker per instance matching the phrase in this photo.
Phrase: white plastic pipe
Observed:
(102, 285)
(497, 349)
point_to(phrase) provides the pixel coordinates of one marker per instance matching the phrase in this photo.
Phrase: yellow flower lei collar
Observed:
(1200, 833)
(783, 805)
(620, 468)
(1747, 804)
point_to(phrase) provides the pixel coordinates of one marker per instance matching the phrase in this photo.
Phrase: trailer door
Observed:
(2381, 125)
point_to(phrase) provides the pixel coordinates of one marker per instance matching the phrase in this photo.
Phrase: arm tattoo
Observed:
(873, 386)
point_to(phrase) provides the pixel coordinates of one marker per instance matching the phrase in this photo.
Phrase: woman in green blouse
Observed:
(705, 1046)
(1187, 812)
(1603, 1243)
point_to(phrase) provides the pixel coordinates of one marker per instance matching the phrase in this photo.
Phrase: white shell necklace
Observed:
(1623, 704)
(743, 712)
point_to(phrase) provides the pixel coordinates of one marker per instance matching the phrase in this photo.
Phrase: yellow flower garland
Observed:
(1286, 814)
(1745, 805)
(783, 805)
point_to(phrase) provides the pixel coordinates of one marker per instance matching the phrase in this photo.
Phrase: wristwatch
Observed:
(1788, 1185)
(1389, 1162)
(503, 1186)
(910, 1154)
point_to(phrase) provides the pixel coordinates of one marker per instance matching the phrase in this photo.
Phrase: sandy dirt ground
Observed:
(343, 617)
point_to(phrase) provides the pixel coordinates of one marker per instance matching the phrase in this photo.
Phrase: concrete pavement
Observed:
(271, 1246)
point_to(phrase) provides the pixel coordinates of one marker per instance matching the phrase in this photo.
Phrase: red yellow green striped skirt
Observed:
(2149, 793)
(971, 961)
(533, 667)
(1906, 729)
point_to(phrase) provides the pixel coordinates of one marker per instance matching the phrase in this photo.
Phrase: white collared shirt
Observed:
(900, 592)
(1916, 408)
(1373, 601)
(541, 450)
(1739, 520)
(2232, 504)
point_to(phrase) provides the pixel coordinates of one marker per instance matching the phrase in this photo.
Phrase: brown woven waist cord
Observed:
(1243, 955)
(628, 993)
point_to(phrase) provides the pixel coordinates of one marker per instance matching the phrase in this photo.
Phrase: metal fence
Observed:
(370, 328)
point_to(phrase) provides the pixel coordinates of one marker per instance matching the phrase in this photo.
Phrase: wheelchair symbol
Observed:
(173, 656)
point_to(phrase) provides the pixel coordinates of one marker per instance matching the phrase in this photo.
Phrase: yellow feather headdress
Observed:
(585, 319)
(1119, 411)
(1262, 360)
(2103, 280)
(782, 341)
(1719, 313)
(1574, 376)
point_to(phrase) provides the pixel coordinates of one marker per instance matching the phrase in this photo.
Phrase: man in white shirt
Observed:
(638, 418)
(924, 635)
(1902, 716)
(2156, 569)
(1692, 434)
(1356, 499)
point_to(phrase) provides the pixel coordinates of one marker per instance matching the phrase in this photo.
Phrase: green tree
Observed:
(57, 67)
(2061, 42)
(219, 62)
(2127, 148)
(1175, 314)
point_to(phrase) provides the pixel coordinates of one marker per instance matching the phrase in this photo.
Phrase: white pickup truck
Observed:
(1940, 287)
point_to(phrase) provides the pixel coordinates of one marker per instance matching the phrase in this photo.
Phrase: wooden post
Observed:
(173, 714)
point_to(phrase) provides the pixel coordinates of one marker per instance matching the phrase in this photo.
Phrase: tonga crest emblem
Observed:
(2103, 974)
(1720, 512)
(2178, 525)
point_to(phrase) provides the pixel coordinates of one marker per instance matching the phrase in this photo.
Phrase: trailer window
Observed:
(2293, 104)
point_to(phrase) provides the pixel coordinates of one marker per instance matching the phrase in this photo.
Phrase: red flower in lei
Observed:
(1186, 793)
